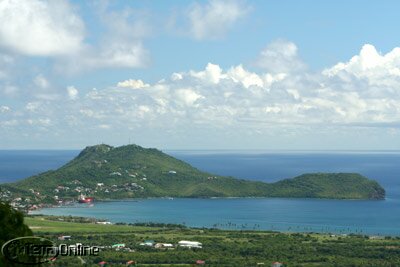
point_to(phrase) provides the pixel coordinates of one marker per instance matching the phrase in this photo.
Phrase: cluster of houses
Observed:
(20, 203)
(76, 186)
(152, 243)
(182, 243)
(134, 263)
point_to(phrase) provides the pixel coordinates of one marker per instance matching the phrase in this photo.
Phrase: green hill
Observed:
(107, 172)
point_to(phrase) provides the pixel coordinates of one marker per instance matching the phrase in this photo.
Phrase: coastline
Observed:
(104, 221)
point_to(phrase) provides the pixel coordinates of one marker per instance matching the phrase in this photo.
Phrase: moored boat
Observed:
(84, 199)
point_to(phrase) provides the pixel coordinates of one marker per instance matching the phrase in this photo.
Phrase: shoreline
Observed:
(100, 221)
(107, 200)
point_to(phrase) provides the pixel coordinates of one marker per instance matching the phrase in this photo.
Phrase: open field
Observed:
(220, 247)
(40, 225)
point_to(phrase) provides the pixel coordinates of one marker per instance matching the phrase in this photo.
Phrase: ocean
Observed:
(280, 214)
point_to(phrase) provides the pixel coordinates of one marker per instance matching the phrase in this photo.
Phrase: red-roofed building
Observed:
(200, 262)
(102, 263)
(130, 263)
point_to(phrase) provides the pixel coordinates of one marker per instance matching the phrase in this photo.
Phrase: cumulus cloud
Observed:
(280, 57)
(213, 19)
(133, 84)
(246, 78)
(40, 28)
(55, 29)
(371, 65)
(236, 102)
(187, 96)
(212, 73)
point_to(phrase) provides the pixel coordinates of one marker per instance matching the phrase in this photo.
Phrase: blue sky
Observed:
(200, 74)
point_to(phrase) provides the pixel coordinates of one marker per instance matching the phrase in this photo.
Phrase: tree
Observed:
(11, 226)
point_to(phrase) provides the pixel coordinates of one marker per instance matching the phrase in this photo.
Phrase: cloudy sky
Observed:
(237, 74)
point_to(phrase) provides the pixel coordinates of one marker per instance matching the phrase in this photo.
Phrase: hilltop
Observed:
(131, 171)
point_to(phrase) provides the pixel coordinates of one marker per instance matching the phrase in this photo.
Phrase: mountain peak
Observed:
(96, 149)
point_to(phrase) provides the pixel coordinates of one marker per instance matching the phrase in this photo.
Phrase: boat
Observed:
(84, 199)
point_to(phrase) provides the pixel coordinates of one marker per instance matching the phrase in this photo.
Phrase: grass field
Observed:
(40, 225)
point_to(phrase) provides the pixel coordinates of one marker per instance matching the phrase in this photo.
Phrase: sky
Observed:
(237, 74)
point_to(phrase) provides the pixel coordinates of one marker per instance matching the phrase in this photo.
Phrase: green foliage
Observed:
(133, 171)
(221, 247)
(11, 226)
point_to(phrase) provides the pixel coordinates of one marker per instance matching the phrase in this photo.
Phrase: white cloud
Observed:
(212, 73)
(40, 28)
(239, 74)
(187, 96)
(4, 109)
(72, 92)
(176, 76)
(55, 29)
(214, 19)
(133, 84)
(280, 57)
(370, 65)
(236, 102)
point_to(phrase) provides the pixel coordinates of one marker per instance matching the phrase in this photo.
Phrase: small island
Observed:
(104, 172)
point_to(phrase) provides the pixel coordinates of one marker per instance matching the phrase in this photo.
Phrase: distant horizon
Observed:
(260, 150)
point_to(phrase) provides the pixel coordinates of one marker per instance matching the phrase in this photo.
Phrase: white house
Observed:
(190, 244)
(148, 243)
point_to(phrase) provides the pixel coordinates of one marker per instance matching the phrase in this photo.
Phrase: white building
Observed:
(190, 244)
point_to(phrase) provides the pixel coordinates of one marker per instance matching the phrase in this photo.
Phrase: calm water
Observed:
(369, 217)
(19, 164)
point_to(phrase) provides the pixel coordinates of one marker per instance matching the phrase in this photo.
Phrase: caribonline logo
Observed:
(31, 250)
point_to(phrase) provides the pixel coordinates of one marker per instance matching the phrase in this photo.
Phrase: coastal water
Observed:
(19, 164)
(304, 215)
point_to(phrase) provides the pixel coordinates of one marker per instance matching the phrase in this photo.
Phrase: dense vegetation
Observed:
(220, 247)
(132, 171)
(11, 226)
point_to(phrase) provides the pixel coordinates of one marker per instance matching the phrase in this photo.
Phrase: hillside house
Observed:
(190, 244)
